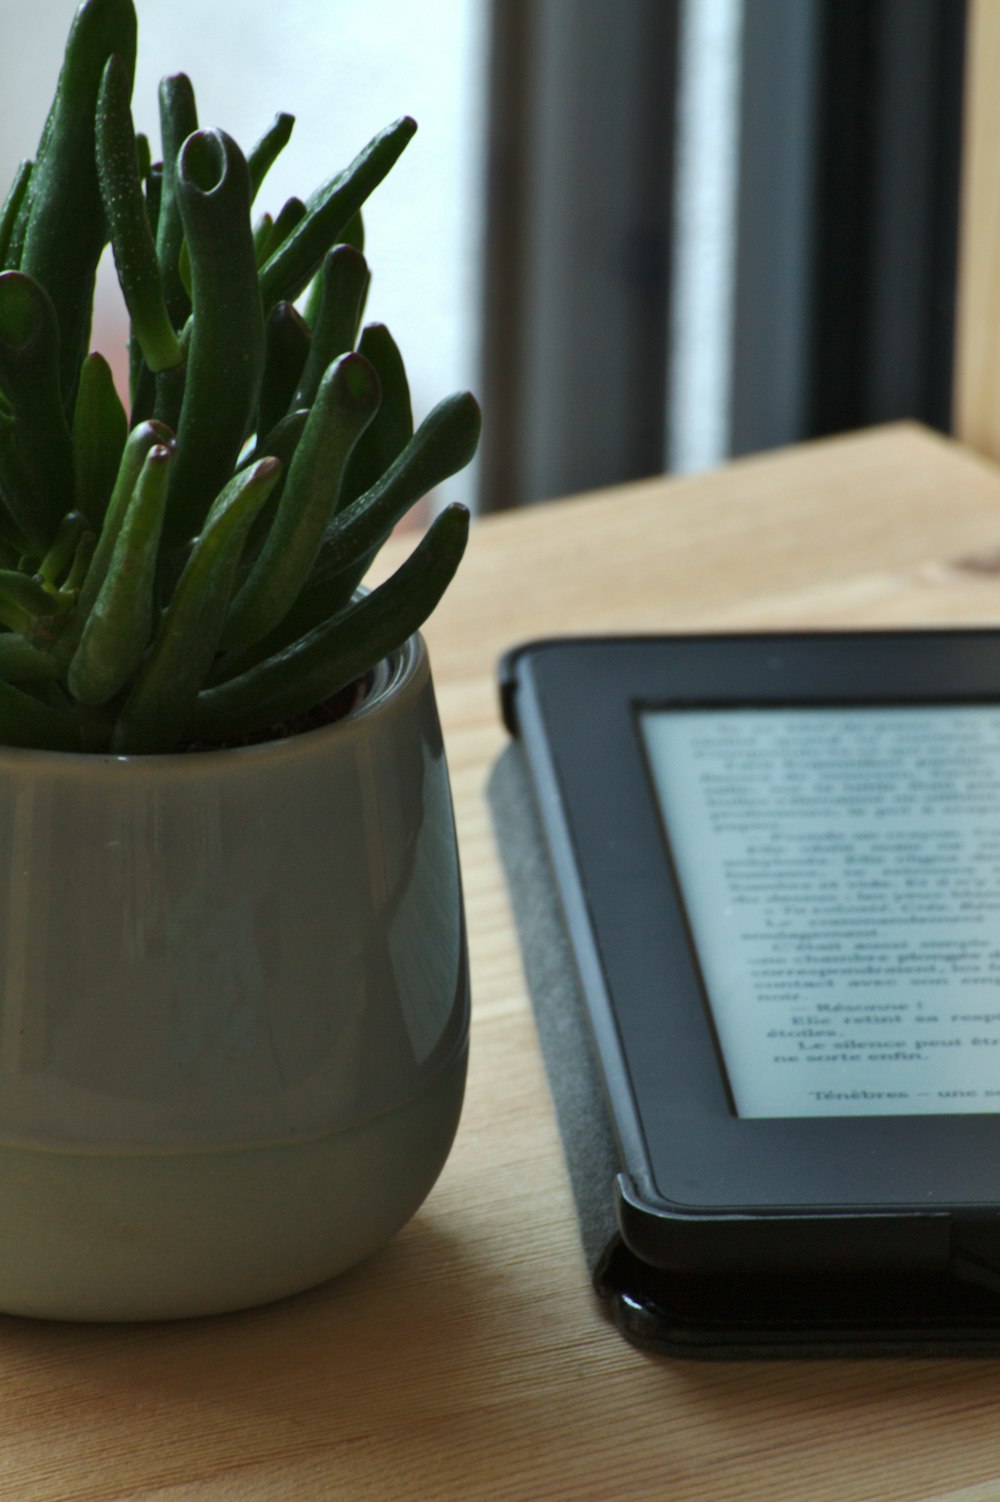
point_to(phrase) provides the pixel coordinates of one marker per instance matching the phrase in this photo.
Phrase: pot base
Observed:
(139, 1236)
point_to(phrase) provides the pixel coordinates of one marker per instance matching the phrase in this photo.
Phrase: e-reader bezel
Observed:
(700, 1184)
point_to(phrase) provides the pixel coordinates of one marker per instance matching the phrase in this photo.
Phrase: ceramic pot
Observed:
(234, 1010)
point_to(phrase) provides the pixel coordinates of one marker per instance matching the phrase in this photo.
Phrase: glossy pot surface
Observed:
(234, 992)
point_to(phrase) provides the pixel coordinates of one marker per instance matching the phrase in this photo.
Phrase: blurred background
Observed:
(648, 233)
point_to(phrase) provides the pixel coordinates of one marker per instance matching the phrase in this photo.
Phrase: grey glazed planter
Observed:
(234, 1011)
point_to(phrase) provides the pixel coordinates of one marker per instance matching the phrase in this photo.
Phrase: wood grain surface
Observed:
(977, 346)
(468, 1360)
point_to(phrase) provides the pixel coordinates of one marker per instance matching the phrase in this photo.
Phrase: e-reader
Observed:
(777, 859)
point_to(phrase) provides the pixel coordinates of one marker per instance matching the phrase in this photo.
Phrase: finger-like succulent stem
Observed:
(125, 206)
(178, 120)
(391, 429)
(29, 379)
(168, 397)
(159, 708)
(281, 441)
(280, 444)
(261, 237)
(143, 155)
(140, 443)
(226, 352)
(266, 151)
(292, 213)
(11, 216)
(116, 633)
(344, 282)
(18, 516)
(25, 602)
(65, 231)
(64, 547)
(81, 563)
(352, 234)
(26, 721)
(329, 210)
(444, 442)
(100, 428)
(142, 387)
(316, 667)
(287, 341)
(346, 401)
(20, 662)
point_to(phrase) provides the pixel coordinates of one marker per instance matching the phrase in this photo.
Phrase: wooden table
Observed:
(469, 1360)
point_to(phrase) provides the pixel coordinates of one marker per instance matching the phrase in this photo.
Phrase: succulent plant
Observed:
(188, 573)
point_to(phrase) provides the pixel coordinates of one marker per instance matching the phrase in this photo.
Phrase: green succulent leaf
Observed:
(38, 439)
(141, 441)
(353, 232)
(316, 667)
(26, 721)
(19, 515)
(443, 444)
(22, 662)
(119, 178)
(117, 631)
(143, 154)
(345, 403)
(65, 546)
(178, 120)
(281, 441)
(226, 352)
(387, 435)
(26, 604)
(280, 444)
(261, 237)
(265, 153)
(158, 711)
(81, 563)
(65, 230)
(292, 213)
(329, 211)
(287, 341)
(100, 428)
(344, 282)
(170, 385)
(11, 217)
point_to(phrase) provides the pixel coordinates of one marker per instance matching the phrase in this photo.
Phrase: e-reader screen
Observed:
(840, 872)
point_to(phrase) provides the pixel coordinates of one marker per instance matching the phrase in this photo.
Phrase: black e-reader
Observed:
(775, 861)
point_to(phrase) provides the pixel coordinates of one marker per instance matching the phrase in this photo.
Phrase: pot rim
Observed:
(395, 678)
